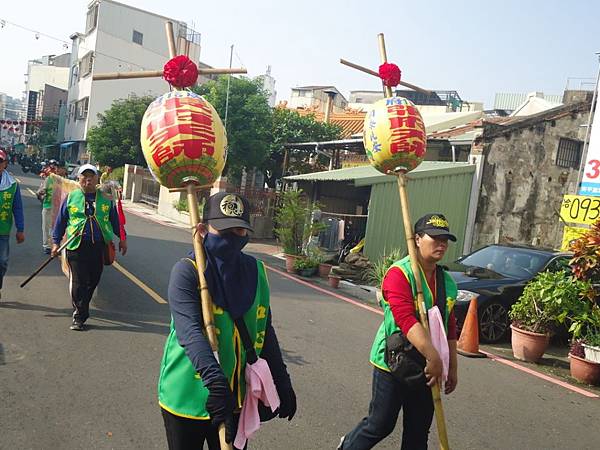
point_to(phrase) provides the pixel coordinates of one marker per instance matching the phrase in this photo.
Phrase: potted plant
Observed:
(582, 369)
(290, 218)
(306, 267)
(545, 303)
(334, 280)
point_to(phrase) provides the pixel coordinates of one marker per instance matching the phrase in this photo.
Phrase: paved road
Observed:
(97, 389)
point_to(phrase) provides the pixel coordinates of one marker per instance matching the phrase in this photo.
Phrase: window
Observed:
(301, 93)
(74, 75)
(138, 37)
(85, 65)
(81, 108)
(92, 18)
(569, 153)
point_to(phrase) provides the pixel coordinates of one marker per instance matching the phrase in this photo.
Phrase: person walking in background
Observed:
(90, 219)
(44, 194)
(11, 206)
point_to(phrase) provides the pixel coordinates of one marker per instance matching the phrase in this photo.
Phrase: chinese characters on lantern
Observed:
(180, 129)
(407, 128)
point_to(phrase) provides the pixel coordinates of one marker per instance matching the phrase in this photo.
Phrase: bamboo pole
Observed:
(416, 269)
(420, 303)
(159, 73)
(375, 74)
(197, 241)
(205, 298)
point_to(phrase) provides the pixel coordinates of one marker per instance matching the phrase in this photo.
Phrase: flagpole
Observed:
(586, 142)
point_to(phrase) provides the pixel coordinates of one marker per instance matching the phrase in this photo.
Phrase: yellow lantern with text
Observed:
(183, 140)
(394, 135)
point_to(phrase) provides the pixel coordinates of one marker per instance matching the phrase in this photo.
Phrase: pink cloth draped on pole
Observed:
(259, 386)
(439, 339)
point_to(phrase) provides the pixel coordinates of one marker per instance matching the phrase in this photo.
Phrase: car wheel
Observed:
(493, 322)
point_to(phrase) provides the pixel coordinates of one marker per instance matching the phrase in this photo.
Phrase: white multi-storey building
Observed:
(117, 38)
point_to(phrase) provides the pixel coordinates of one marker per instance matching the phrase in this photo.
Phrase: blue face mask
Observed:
(225, 246)
(231, 275)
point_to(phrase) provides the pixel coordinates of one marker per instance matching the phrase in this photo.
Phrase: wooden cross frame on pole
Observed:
(159, 73)
(400, 172)
(191, 188)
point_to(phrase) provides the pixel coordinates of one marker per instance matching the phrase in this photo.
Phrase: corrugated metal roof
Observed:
(367, 175)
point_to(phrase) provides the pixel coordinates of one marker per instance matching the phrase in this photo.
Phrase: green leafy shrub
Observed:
(550, 299)
(376, 273)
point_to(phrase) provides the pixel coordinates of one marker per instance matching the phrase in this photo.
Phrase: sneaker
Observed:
(77, 326)
(47, 251)
(341, 444)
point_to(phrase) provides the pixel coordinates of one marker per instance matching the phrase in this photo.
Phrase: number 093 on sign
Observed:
(580, 209)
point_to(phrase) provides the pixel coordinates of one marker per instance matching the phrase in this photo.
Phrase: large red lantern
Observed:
(394, 135)
(183, 140)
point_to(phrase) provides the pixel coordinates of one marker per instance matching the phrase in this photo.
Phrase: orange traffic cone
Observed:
(468, 343)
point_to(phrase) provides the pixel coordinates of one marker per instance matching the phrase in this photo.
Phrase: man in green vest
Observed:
(90, 220)
(197, 392)
(11, 206)
(44, 193)
(410, 390)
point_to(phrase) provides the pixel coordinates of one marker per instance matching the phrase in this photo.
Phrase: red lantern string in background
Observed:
(180, 72)
(9, 122)
(390, 74)
(21, 122)
(5, 126)
(16, 129)
(2, 122)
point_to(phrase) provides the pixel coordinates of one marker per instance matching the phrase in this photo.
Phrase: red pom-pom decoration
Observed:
(390, 74)
(180, 72)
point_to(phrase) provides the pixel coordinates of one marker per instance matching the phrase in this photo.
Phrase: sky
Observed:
(477, 48)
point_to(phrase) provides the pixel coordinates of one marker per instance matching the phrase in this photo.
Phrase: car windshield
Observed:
(507, 261)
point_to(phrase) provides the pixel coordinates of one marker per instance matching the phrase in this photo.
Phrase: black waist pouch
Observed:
(405, 362)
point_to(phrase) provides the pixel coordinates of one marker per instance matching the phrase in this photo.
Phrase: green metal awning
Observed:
(367, 175)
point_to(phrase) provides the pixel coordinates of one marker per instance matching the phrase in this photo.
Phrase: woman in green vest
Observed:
(393, 392)
(90, 220)
(197, 392)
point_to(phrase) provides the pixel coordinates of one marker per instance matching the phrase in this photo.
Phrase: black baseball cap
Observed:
(434, 224)
(225, 210)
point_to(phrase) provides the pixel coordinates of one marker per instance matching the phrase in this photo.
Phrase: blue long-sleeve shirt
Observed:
(187, 317)
(17, 209)
(91, 230)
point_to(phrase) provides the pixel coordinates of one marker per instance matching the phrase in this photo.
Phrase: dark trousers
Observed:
(86, 264)
(388, 397)
(190, 434)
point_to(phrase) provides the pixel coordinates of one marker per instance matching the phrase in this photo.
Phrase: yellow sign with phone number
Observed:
(580, 209)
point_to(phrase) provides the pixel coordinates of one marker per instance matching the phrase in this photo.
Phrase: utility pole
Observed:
(228, 83)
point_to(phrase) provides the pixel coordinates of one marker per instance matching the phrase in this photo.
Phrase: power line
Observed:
(66, 44)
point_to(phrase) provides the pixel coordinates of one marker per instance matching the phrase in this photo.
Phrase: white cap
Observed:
(87, 167)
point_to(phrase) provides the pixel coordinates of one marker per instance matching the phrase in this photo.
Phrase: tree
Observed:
(46, 134)
(248, 120)
(115, 141)
(289, 126)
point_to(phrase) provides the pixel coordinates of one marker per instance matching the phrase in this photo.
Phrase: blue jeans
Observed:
(389, 396)
(4, 247)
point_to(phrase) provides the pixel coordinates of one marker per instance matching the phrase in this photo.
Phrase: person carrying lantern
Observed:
(404, 382)
(90, 219)
(194, 388)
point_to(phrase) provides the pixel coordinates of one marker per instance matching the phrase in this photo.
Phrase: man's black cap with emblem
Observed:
(224, 210)
(434, 225)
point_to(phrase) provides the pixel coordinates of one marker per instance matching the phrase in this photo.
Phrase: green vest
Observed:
(180, 388)
(47, 204)
(389, 325)
(6, 214)
(78, 219)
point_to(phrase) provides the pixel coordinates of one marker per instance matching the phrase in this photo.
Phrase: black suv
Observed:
(497, 275)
